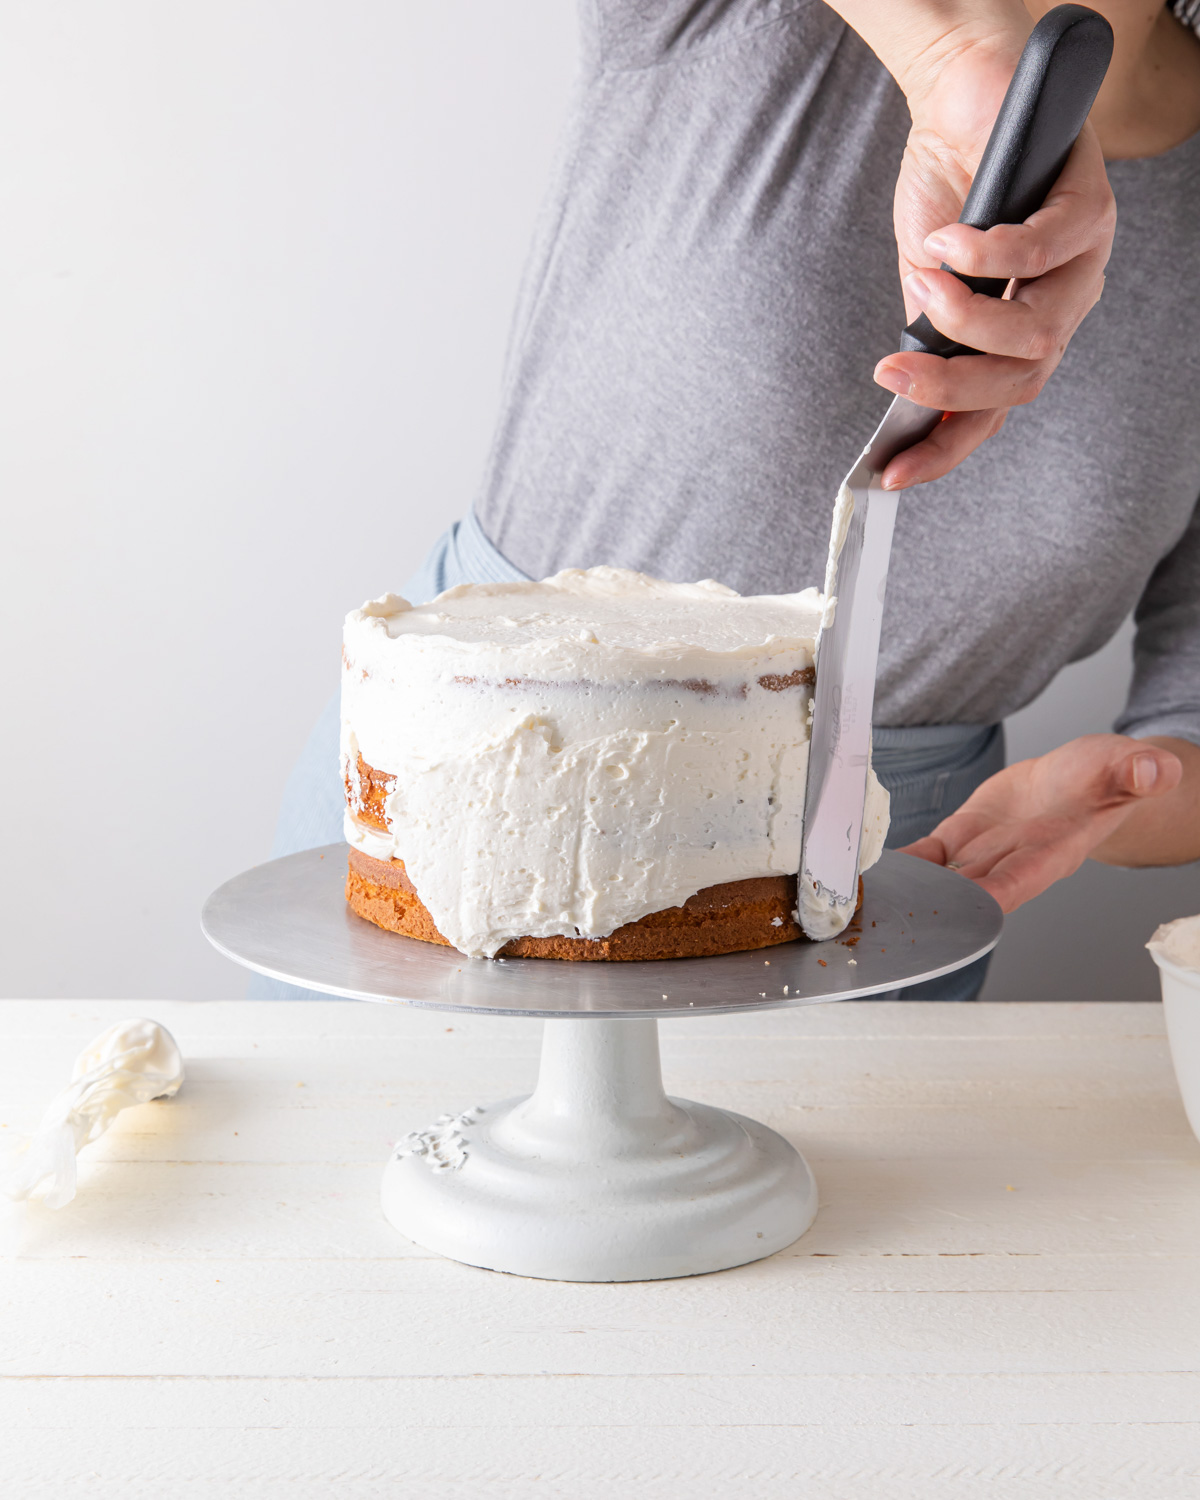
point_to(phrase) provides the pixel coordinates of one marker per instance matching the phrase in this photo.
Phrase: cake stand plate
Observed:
(597, 1175)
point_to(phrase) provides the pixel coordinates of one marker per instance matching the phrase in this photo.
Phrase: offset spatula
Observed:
(1052, 90)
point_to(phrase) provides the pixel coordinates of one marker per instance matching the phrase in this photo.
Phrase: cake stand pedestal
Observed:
(597, 1175)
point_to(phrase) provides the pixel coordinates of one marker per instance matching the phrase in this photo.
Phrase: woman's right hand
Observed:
(954, 60)
(1057, 258)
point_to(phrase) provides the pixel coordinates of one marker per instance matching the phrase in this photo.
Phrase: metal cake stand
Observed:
(597, 1175)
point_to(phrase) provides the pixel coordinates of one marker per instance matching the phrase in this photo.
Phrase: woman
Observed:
(712, 277)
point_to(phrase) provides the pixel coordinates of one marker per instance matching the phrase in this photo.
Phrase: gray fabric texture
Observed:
(689, 377)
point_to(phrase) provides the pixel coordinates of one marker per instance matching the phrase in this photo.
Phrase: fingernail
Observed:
(893, 379)
(890, 484)
(1145, 772)
(936, 245)
(917, 288)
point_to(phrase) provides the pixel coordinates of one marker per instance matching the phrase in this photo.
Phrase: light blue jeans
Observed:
(929, 770)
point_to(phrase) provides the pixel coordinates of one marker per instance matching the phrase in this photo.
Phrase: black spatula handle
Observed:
(1056, 82)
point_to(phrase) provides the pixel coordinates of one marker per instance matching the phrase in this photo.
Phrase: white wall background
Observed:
(255, 280)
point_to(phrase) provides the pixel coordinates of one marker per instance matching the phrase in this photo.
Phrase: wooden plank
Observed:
(907, 1075)
(180, 1210)
(266, 1020)
(235, 1123)
(382, 1454)
(804, 1315)
(488, 1402)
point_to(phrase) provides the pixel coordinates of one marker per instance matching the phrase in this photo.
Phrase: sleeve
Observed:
(622, 35)
(1164, 697)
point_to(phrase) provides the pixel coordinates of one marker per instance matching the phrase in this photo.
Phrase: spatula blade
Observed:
(847, 654)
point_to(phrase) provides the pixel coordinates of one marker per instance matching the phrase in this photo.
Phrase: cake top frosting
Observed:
(605, 607)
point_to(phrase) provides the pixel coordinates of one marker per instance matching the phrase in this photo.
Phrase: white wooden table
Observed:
(1000, 1296)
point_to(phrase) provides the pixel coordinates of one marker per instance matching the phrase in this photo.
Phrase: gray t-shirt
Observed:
(712, 280)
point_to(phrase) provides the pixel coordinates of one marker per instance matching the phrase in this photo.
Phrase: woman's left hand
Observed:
(1121, 800)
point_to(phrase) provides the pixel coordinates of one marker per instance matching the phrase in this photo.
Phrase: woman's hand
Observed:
(1119, 800)
(1057, 257)
(954, 60)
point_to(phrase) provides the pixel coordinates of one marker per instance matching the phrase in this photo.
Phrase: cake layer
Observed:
(730, 918)
(367, 791)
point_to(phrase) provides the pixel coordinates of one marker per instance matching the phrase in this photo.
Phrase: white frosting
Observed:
(822, 914)
(366, 838)
(843, 512)
(130, 1063)
(572, 755)
(1178, 942)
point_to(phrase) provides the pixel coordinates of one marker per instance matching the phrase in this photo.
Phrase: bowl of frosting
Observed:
(1175, 948)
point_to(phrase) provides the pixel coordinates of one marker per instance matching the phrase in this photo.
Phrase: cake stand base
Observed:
(598, 1175)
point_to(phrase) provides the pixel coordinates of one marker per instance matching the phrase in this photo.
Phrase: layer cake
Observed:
(598, 766)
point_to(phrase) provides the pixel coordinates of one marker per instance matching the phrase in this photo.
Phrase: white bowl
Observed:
(1181, 1003)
